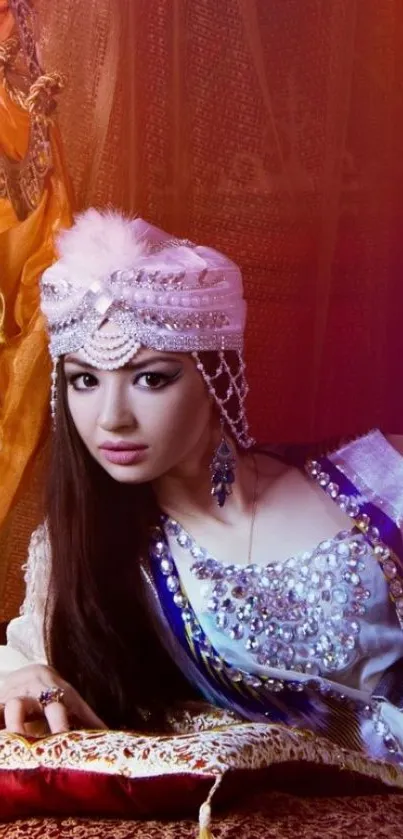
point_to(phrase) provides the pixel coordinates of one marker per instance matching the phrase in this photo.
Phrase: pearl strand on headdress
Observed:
(53, 391)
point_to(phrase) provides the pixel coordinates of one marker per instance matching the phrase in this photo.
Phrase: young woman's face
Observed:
(143, 420)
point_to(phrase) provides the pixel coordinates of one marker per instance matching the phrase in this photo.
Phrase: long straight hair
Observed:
(100, 636)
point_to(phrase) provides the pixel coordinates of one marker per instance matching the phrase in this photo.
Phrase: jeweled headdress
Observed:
(153, 291)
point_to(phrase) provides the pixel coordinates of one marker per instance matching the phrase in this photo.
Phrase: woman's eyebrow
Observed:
(132, 365)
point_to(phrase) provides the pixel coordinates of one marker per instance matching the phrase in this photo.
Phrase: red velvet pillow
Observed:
(124, 774)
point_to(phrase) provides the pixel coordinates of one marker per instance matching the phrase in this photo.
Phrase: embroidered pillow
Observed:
(135, 775)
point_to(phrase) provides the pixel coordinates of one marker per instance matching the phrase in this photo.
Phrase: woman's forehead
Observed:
(143, 356)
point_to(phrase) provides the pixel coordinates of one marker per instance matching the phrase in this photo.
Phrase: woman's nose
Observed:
(115, 411)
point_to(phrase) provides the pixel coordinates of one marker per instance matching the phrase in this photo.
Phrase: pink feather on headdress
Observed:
(98, 244)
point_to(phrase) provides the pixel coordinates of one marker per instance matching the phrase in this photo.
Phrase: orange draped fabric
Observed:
(34, 203)
(273, 131)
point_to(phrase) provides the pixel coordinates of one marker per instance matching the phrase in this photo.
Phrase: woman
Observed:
(178, 559)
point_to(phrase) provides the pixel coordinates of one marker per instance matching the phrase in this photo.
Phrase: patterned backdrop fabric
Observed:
(269, 130)
(274, 132)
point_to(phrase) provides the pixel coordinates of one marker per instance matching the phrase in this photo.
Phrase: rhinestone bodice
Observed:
(305, 614)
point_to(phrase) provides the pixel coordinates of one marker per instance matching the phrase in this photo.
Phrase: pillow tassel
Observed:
(205, 822)
(205, 813)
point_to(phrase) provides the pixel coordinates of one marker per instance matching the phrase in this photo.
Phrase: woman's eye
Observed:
(83, 381)
(153, 381)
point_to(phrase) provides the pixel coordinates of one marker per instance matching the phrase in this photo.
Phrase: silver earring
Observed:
(222, 471)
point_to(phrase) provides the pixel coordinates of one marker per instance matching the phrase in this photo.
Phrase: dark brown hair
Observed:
(99, 633)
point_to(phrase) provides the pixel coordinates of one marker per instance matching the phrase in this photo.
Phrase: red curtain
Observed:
(272, 130)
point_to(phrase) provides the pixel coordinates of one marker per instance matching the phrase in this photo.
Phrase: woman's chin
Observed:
(125, 474)
(128, 475)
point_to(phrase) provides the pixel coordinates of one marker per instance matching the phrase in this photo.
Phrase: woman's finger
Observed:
(57, 717)
(23, 699)
(70, 705)
(16, 713)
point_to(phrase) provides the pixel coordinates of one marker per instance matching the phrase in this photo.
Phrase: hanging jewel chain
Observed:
(254, 508)
(185, 539)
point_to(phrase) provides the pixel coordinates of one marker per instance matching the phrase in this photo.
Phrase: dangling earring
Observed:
(222, 470)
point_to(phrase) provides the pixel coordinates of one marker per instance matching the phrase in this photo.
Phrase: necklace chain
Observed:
(254, 508)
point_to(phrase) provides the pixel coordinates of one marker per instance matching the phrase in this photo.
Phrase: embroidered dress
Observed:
(314, 641)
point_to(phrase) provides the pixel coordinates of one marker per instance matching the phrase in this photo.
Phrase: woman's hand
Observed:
(20, 696)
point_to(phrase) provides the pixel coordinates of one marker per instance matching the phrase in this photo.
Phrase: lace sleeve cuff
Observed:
(25, 634)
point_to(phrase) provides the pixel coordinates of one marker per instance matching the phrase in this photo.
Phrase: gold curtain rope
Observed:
(2, 319)
(42, 93)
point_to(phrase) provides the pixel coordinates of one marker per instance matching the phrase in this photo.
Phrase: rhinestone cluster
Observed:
(150, 280)
(151, 330)
(170, 330)
(301, 615)
(250, 683)
(160, 552)
(352, 506)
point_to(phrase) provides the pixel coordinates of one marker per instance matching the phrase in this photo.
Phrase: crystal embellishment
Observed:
(250, 683)
(301, 613)
(352, 506)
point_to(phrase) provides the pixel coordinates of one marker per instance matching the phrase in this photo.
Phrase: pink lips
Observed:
(123, 454)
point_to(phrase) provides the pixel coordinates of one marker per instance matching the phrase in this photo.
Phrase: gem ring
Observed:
(46, 697)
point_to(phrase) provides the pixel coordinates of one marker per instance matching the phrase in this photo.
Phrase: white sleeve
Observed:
(25, 634)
